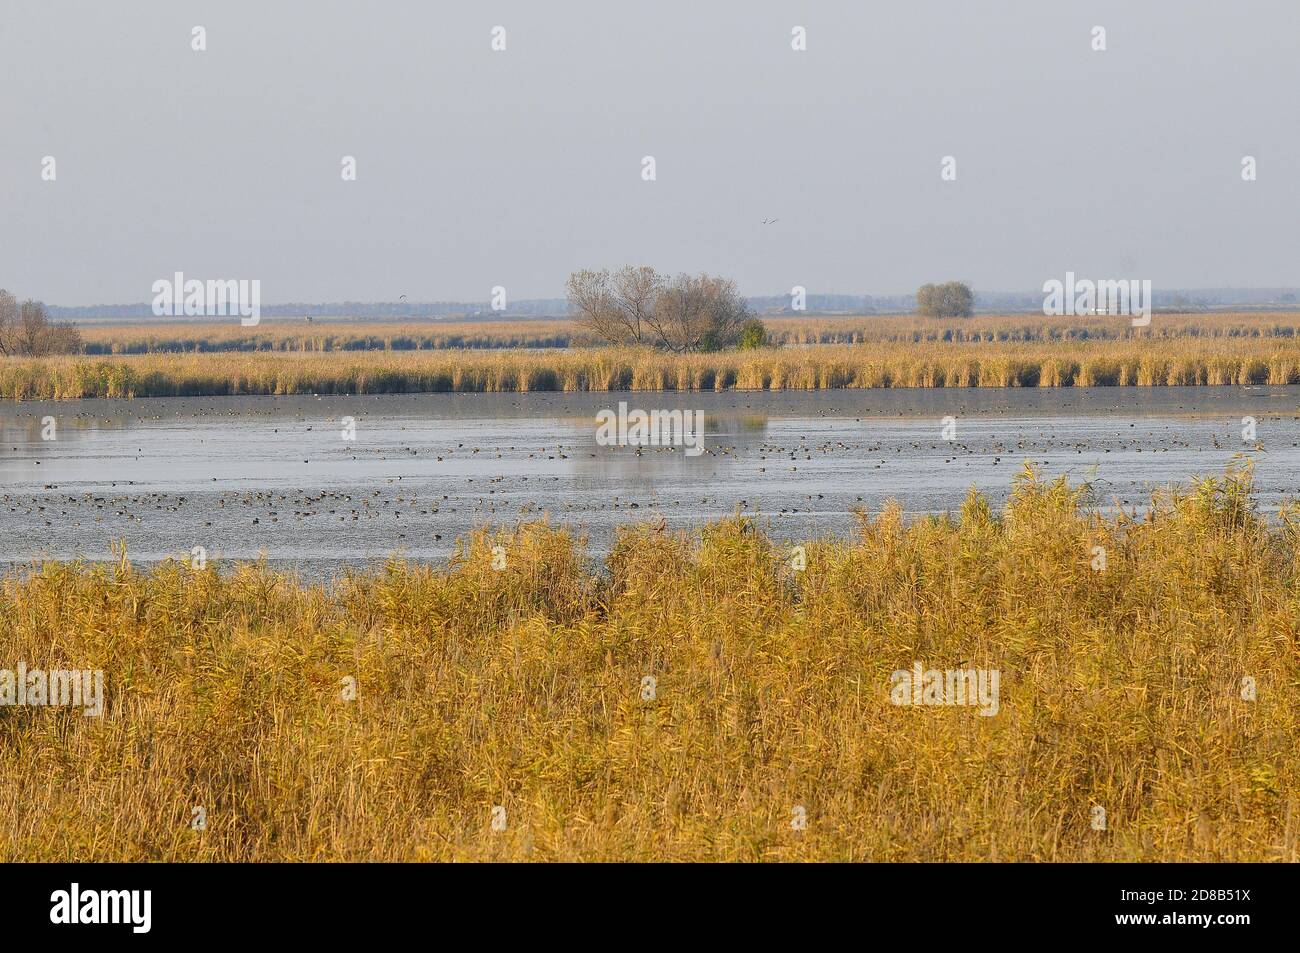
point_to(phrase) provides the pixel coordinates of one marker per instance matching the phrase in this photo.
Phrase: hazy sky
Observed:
(478, 168)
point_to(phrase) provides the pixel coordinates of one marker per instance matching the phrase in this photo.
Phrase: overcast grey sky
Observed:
(478, 168)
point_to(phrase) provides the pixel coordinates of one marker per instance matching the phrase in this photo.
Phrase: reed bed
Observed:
(1028, 328)
(327, 336)
(296, 336)
(524, 688)
(1143, 363)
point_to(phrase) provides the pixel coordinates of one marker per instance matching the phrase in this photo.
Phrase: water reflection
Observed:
(274, 476)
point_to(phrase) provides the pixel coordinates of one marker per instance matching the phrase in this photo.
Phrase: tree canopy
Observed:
(952, 299)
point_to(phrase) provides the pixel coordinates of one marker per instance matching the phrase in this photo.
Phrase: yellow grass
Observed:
(326, 335)
(295, 335)
(1144, 362)
(523, 688)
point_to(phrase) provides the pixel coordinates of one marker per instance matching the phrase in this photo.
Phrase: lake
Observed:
(252, 476)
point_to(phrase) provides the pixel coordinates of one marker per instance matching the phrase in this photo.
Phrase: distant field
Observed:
(323, 336)
(297, 336)
(1146, 362)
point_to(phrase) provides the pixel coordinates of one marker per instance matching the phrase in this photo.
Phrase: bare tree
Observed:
(636, 305)
(635, 291)
(699, 313)
(615, 306)
(591, 302)
(8, 322)
(677, 318)
(725, 313)
(26, 330)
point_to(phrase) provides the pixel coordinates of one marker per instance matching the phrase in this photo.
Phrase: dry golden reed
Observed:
(522, 688)
(295, 335)
(1146, 362)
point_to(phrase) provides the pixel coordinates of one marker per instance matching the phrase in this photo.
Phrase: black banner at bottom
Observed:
(1210, 903)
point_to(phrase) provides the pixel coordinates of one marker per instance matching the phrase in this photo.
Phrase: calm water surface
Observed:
(247, 477)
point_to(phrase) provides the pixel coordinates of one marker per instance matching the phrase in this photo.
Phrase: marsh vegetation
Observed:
(522, 687)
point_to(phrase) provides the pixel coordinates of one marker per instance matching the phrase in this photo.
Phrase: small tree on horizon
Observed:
(952, 299)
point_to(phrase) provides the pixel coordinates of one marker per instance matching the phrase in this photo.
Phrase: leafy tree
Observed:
(753, 334)
(952, 299)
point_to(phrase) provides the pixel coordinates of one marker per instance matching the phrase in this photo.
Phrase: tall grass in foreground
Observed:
(1063, 364)
(522, 688)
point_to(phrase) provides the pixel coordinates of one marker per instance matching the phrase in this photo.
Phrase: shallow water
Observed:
(250, 476)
